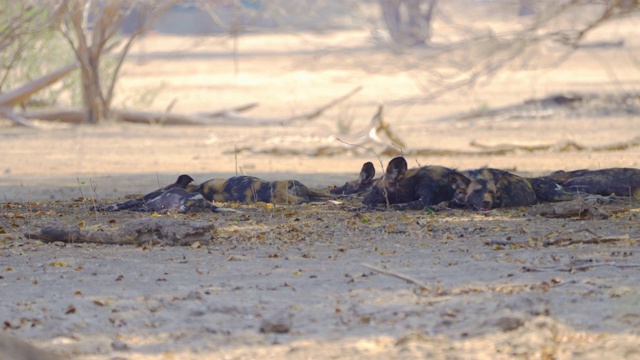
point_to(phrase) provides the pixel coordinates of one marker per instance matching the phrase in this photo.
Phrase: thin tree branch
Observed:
(396, 275)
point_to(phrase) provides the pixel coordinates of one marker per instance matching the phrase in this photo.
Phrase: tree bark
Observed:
(408, 21)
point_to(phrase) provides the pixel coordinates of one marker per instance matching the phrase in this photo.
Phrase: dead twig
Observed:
(567, 241)
(397, 276)
(572, 268)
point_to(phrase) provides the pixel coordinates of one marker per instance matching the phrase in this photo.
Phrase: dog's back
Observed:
(562, 176)
(548, 190)
(515, 191)
(618, 181)
(249, 189)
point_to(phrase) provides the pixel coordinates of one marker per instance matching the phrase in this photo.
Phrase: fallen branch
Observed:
(220, 117)
(569, 241)
(225, 112)
(572, 268)
(510, 147)
(17, 119)
(577, 208)
(635, 142)
(15, 96)
(564, 146)
(71, 116)
(593, 239)
(75, 116)
(157, 117)
(145, 231)
(397, 276)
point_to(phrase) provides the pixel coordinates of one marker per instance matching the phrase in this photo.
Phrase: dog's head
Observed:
(482, 194)
(182, 181)
(478, 194)
(361, 185)
(385, 189)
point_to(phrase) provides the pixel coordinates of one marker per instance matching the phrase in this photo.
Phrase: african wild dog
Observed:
(618, 181)
(249, 189)
(178, 199)
(561, 176)
(417, 188)
(360, 185)
(548, 190)
(182, 182)
(487, 188)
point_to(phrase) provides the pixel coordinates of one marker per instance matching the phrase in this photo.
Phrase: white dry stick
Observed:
(397, 275)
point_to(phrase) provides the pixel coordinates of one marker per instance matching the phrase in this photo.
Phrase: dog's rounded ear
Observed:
(367, 173)
(458, 181)
(396, 168)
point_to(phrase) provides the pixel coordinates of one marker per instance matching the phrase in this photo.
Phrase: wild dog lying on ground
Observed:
(493, 188)
(618, 181)
(181, 200)
(561, 176)
(249, 189)
(549, 191)
(181, 183)
(417, 188)
(361, 185)
(485, 189)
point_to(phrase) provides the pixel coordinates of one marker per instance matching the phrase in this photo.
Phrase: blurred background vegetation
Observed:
(447, 44)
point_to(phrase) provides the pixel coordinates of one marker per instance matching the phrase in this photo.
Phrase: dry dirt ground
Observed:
(502, 284)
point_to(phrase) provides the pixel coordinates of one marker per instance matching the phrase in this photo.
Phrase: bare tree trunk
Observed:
(391, 15)
(90, 42)
(91, 91)
(86, 53)
(408, 21)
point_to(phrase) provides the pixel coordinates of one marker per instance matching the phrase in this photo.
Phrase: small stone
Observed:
(194, 295)
(197, 312)
(508, 323)
(279, 323)
(119, 345)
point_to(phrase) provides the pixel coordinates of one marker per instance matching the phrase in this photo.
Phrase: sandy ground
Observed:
(305, 263)
(485, 286)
